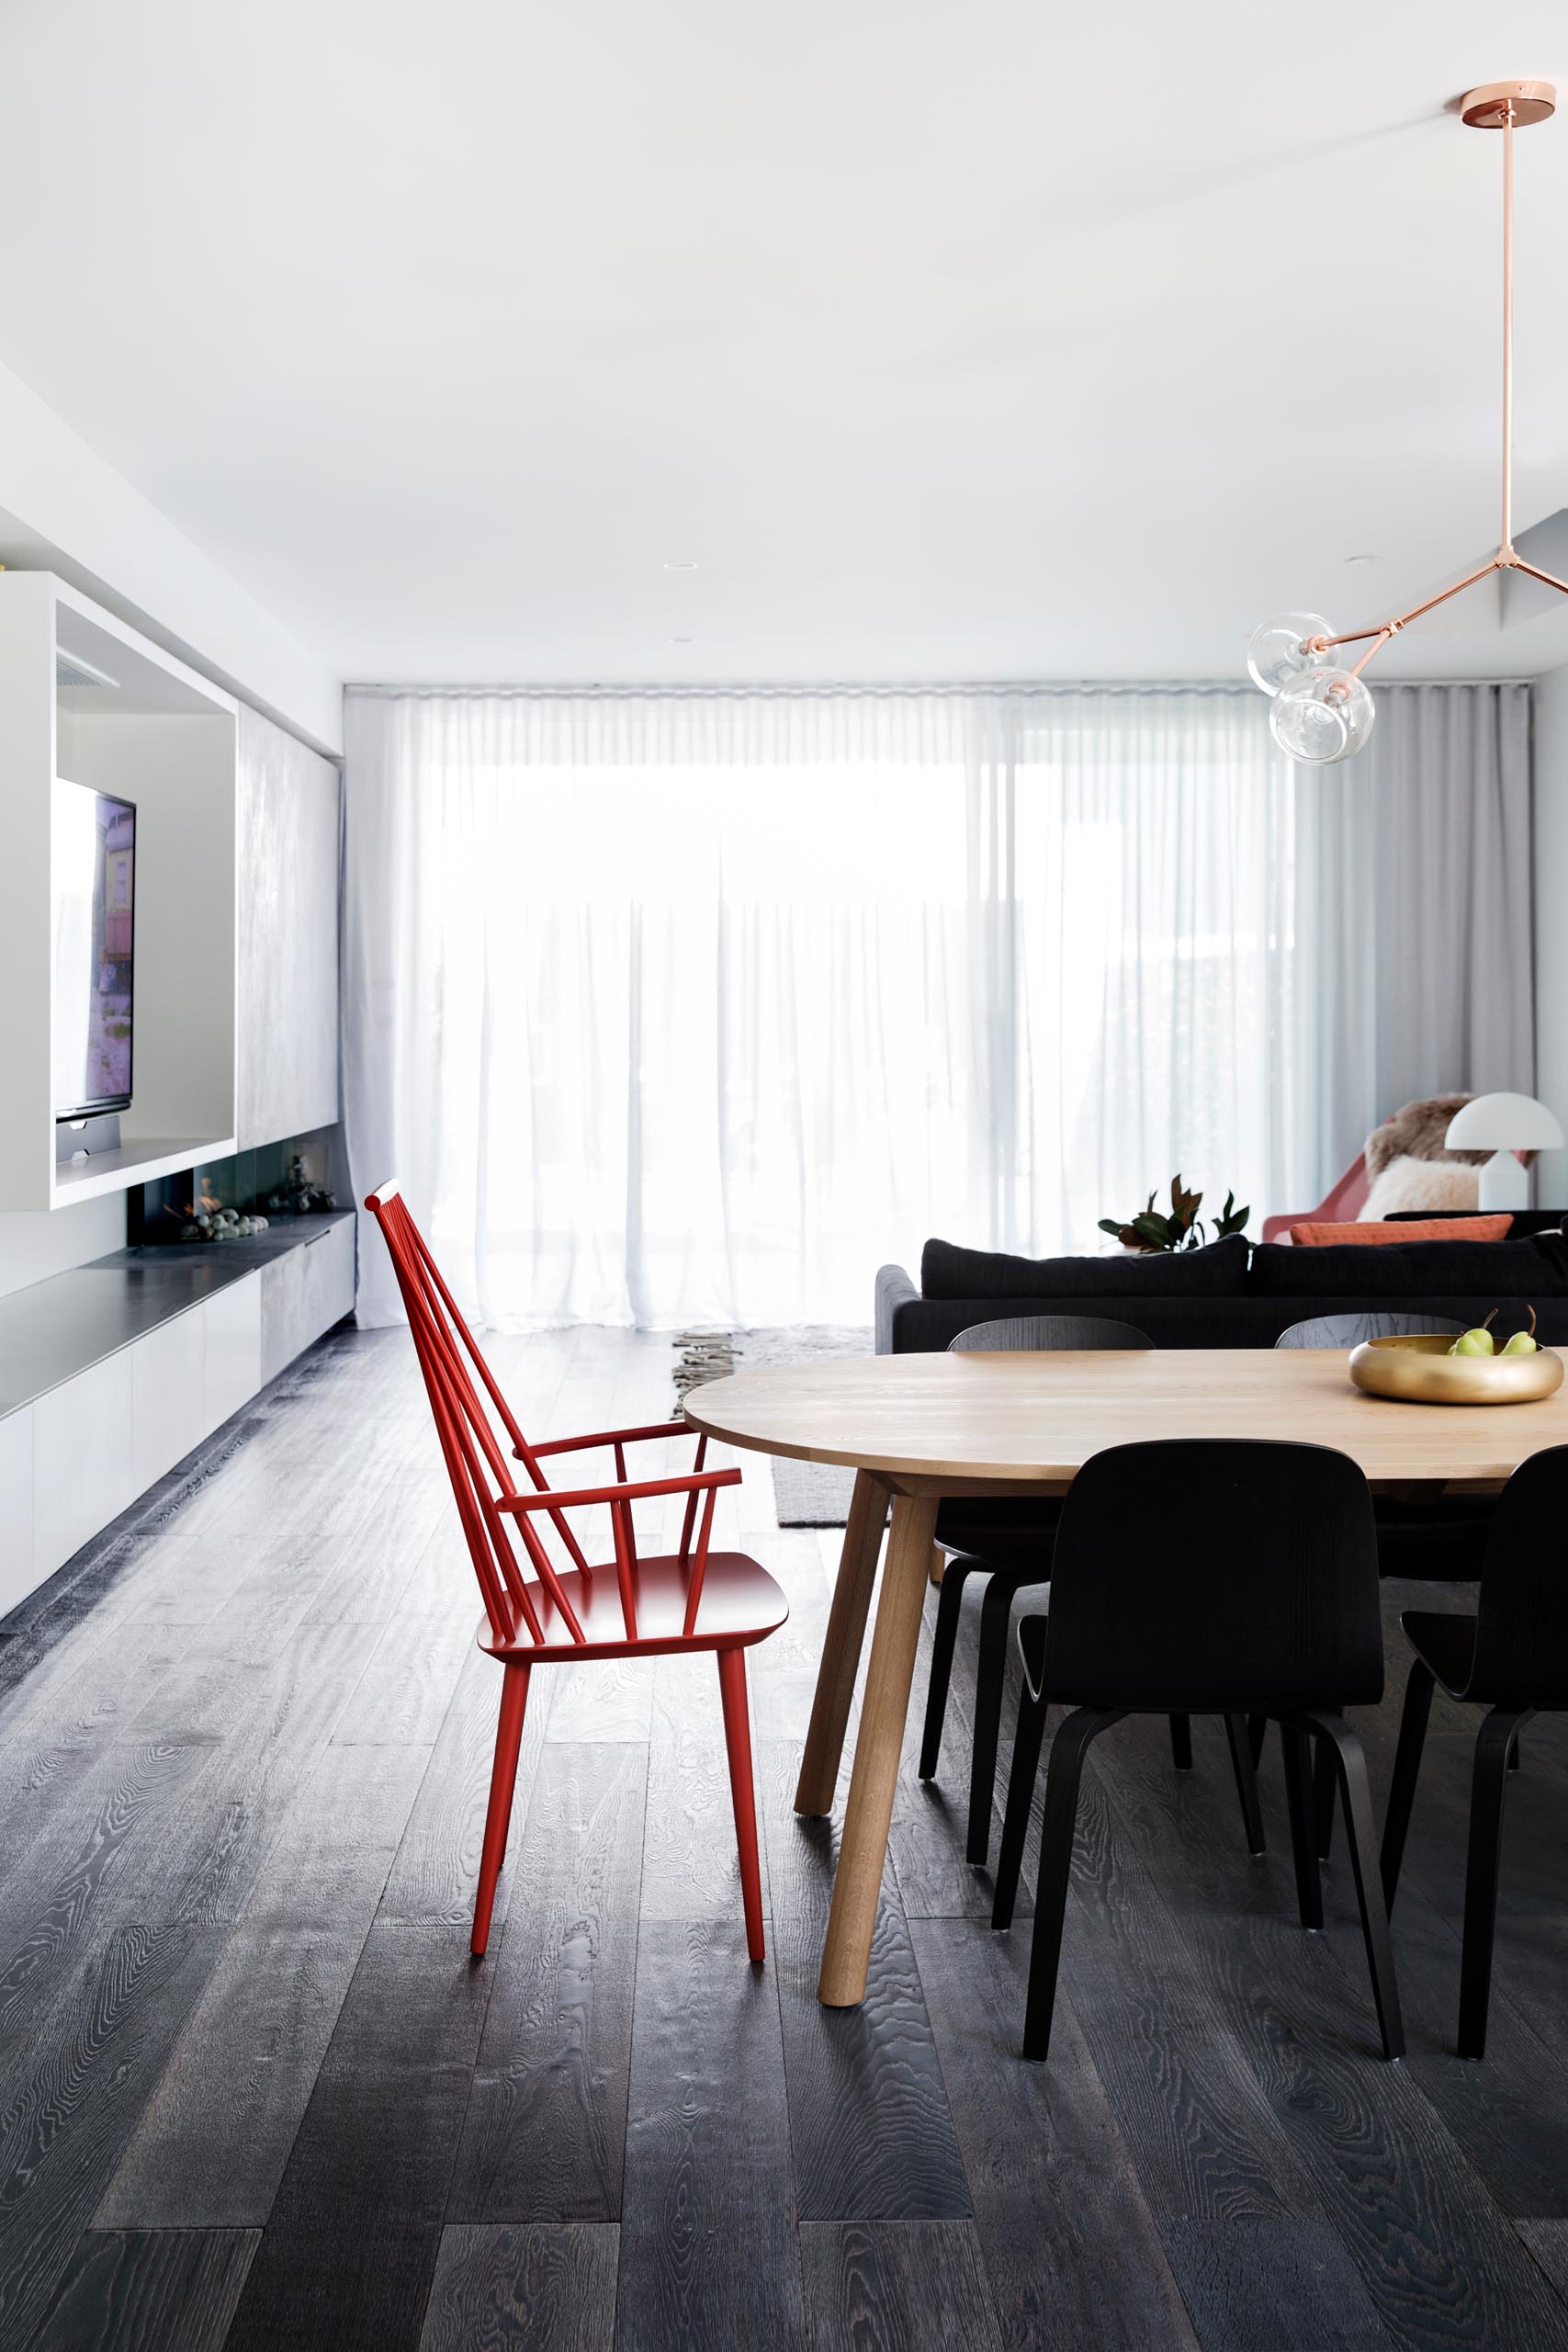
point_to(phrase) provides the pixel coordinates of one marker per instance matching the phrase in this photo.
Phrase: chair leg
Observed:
(1488, 1784)
(1181, 1742)
(1256, 1733)
(738, 1740)
(1064, 1776)
(1027, 1740)
(1304, 1840)
(949, 1604)
(1407, 1772)
(498, 1815)
(1245, 1783)
(1338, 1739)
(1324, 1787)
(991, 1684)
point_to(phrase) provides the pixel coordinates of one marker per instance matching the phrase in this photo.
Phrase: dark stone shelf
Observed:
(56, 1329)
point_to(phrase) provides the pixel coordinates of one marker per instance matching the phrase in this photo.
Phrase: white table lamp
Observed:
(1503, 1124)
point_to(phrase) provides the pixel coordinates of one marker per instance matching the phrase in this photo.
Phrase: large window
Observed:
(697, 1009)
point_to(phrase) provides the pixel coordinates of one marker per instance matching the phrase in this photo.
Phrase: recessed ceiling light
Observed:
(679, 567)
(683, 641)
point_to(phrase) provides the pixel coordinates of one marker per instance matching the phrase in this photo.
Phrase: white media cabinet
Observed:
(113, 1373)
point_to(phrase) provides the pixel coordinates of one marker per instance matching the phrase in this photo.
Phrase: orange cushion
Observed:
(1416, 1228)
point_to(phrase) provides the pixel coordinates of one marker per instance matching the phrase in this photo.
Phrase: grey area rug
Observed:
(808, 1494)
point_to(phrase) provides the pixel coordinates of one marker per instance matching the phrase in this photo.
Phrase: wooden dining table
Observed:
(917, 1428)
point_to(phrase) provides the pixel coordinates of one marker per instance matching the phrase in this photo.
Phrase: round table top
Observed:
(1036, 1418)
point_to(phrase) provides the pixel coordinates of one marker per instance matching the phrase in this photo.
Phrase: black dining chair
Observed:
(1203, 1576)
(1439, 1541)
(1511, 1657)
(1010, 1543)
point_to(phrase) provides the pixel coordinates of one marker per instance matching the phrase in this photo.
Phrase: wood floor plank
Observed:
(94, 2058)
(1548, 2242)
(160, 2291)
(436, 1873)
(544, 2136)
(897, 2287)
(1273, 2287)
(541, 2289)
(869, 2130)
(1072, 2253)
(63, 1888)
(400, 1698)
(691, 1869)
(350, 2249)
(266, 2015)
(708, 2255)
(271, 1722)
(1435, 2253)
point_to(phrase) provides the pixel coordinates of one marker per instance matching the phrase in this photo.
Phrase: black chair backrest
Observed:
(1032, 1332)
(1521, 1633)
(1222, 1571)
(1350, 1330)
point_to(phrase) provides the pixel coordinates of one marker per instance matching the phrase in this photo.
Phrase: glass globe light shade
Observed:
(1327, 716)
(1276, 651)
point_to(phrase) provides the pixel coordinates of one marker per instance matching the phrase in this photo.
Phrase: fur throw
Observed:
(1417, 1132)
(1410, 1183)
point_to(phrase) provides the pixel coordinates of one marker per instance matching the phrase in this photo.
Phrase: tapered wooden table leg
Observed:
(863, 1847)
(841, 1648)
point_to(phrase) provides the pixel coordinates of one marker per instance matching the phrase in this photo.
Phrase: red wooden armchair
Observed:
(633, 1606)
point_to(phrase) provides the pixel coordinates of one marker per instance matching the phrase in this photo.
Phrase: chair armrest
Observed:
(612, 1437)
(634, 1491)
(894, 1290)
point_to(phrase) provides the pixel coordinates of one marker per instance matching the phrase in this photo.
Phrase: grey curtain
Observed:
(1413, 899)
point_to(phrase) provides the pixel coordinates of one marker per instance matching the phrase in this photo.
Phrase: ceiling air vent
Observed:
(70, 669)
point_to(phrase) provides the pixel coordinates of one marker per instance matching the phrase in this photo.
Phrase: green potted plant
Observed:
(1151, 1229)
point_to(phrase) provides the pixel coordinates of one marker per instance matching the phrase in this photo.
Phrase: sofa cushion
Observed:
(1371, 1231)
(1218, 1271)
(1535, 1267)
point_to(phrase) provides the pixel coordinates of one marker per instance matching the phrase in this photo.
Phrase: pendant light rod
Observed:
(1505, 542)
(1283, 661)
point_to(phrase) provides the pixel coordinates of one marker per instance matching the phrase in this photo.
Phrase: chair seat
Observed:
(995, 1529)
(740, 1603)
(1446, 1644)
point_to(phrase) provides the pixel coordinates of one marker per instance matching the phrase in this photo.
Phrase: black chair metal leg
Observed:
(1324, 1787)
(949, 1601)
(1488, 1782)
(1407, 1772)
(1338, 1741)
(1303, 1837)
(1181, 1742)
(1031, 1714)
(1245, 1783)
(1064, 1776)
(1256, 1733)
(990, 1682)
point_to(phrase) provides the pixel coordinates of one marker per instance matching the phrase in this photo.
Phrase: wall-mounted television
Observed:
(94, 876)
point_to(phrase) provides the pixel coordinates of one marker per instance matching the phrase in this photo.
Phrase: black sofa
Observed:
(1236, 1293)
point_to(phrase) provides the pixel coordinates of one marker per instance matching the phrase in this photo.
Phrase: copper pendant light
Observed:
(1321, 711)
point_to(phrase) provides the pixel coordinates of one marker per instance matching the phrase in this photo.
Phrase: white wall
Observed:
(35, 1244)
(1551, 704)
(63, 509)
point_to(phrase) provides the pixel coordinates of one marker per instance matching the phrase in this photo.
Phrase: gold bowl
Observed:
(1417, 1368)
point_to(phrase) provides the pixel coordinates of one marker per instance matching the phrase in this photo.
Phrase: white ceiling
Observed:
(964, 340)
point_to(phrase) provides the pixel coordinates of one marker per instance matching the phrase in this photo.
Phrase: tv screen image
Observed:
(93, 858)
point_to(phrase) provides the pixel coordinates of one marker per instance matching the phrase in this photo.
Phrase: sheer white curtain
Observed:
(675, 1008)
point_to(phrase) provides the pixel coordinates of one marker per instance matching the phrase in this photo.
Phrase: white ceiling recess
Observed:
(982, 341)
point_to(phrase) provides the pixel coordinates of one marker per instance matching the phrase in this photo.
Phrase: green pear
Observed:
(1521, 1344)
(1479, 1342)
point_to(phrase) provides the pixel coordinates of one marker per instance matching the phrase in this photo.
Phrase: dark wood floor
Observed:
(255, 2096)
